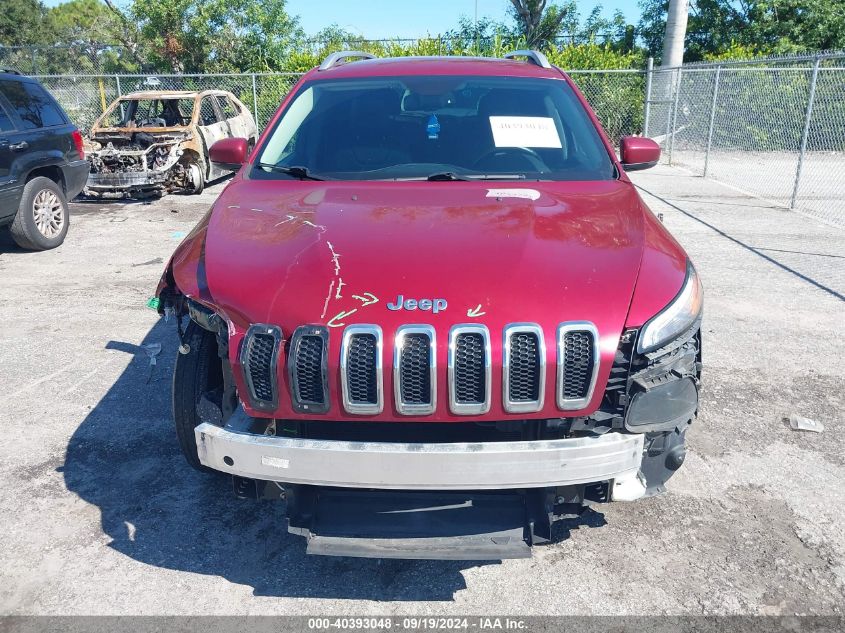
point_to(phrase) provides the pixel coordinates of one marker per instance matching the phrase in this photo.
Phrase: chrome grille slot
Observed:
(577, 364)
(361, 369)
(259, 358)
(307, 369)
(414, 367)
(469, 369)
(524, 368)
(415, 381)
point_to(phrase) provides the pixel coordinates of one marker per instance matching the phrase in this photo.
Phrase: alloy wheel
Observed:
(49, 213)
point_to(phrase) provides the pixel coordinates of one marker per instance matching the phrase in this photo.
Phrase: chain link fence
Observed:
(85, 97)
(616, 96)
(774, 128)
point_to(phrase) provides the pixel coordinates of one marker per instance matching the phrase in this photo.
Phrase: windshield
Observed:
(440, 127)
(150, 113)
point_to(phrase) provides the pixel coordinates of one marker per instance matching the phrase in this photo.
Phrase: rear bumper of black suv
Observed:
(75, 175)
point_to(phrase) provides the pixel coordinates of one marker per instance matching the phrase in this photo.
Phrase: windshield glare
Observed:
(416, 127)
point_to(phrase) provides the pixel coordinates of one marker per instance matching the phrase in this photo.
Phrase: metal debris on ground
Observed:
(152, 350)
(149, 262)
(798, 423)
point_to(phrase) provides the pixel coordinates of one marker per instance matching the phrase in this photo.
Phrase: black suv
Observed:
(42, 163)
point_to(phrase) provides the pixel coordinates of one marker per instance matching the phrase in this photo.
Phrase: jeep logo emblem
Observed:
(401, 303)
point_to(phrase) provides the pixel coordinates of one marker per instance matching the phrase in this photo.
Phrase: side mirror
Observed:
(638, 152)
(229, 153)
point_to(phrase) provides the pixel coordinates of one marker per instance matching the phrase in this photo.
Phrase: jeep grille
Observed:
(469, 372)
(307, 369)
(524, 368)
(361, 369)
(414, 367)
(259, 357)
(577, 364)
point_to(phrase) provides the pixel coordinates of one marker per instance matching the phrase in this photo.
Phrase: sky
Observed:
(382, 19)
(377, 19)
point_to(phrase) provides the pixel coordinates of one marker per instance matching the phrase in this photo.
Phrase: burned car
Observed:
(155, 142)
(432, 313)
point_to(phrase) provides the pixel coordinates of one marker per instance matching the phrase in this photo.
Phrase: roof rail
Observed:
(335, 59)
(10, 71)
(535, 57)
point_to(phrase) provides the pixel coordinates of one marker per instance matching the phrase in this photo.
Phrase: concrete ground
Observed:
(771, 175)
(99, 514)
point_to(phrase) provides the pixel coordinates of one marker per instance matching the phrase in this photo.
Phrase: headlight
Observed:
(675, 318)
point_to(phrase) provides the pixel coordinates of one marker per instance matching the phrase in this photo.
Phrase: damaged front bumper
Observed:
(426, 500)
(426, 466)
(125, 182)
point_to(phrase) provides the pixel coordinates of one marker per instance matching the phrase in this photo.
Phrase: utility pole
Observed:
(676, 30)
(476, 27)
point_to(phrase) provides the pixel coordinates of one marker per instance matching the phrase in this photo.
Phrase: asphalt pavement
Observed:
(99, 514)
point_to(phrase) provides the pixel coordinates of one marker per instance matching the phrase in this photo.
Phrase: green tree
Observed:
(216, 35)
(265, 35)
(22, 23)
(81, 21)
(788, 26)
(764, 27)
(95, 36)
(713, 25)
(477, 36)
(540, 23)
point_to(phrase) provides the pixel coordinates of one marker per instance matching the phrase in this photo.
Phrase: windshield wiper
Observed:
(444, 176)
(449, 176)
(495, 177)
(296, 171)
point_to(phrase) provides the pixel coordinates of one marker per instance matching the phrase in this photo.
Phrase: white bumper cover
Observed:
(459, 466)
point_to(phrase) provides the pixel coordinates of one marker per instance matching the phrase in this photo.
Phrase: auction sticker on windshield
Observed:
(524, 131)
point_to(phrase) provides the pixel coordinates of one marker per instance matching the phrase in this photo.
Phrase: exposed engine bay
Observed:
(139, 163)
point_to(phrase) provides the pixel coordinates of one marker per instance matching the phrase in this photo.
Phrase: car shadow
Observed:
(8, 245)
(124, 459)
(809, 277)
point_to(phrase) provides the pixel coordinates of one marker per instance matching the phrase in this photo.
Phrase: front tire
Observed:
(195, 373)
(42, 220)
(197, 179)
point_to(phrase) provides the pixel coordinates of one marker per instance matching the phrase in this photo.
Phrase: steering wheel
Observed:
(525, 152)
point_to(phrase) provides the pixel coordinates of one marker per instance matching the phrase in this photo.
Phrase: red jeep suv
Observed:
(432, 313)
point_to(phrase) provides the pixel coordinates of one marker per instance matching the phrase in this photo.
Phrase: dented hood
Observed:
(336, 254)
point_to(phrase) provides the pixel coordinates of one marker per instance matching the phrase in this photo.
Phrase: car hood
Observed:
(293, 253)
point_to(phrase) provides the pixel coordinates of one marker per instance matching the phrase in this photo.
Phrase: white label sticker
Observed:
(524, 131)
(528, 194)
(276, 462)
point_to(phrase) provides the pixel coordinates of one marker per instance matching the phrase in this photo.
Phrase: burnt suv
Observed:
(42, 163)
(432, 312)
